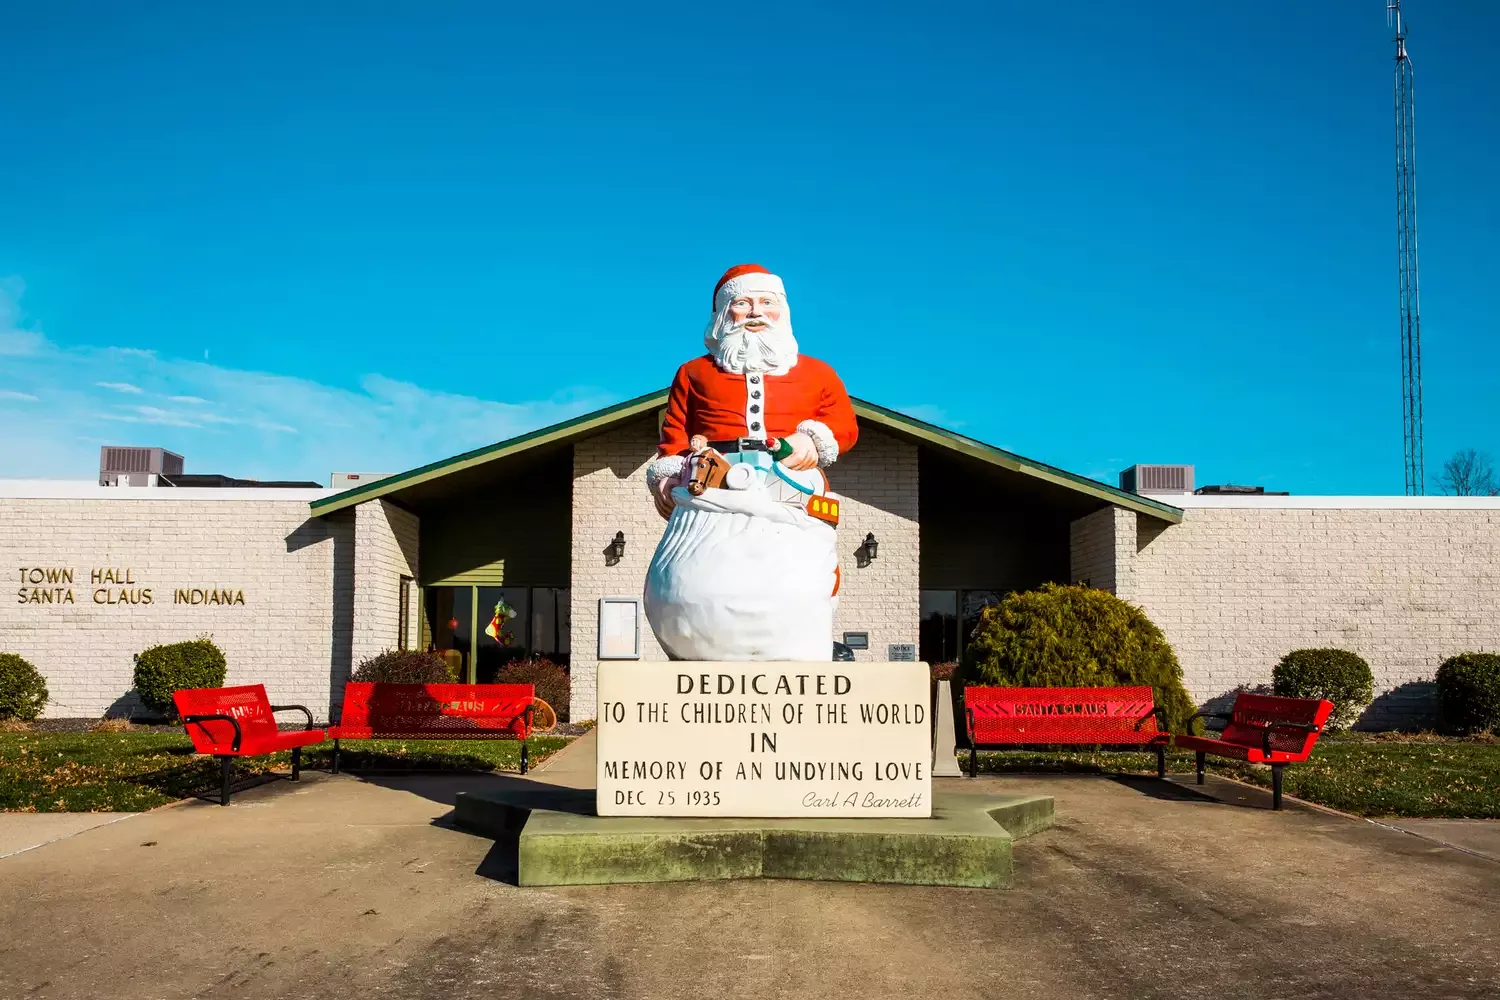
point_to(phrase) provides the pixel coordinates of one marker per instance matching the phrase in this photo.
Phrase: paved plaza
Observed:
(351, 886)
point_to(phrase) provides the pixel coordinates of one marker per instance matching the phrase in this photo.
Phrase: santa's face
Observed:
(752, 332)
(755, 311)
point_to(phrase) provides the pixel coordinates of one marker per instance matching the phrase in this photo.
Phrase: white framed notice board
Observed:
(619, 628)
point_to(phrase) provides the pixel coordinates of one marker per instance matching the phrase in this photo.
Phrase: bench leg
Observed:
(1276, 786)
(226, 775)
(1200, 767)
(973, 760)
(1161, 761)
(335, 756)
(296, 763)
(525, 757)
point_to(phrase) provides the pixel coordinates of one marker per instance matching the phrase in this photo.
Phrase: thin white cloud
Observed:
(259, 425)
(23, 397)
(931, 413)
(16, 340)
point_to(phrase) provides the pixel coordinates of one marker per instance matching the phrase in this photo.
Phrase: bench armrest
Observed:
(1301, 727)
(530, 711)
(1158, 714)
(301, 708)
(969, 715)
(235, 746)
(1188, 726)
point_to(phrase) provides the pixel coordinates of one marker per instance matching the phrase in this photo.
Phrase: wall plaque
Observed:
(619, 628)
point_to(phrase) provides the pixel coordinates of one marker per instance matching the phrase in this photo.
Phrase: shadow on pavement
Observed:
(1166, 790)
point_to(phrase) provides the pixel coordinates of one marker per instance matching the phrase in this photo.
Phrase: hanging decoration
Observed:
(496, 628)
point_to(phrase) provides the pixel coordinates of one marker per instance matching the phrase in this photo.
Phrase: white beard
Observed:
(736, 349)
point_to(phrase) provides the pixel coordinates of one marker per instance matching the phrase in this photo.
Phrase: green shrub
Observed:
(1468, 688)
(405, 666)
(161, 670)
(23, 691)
(550, 680)
(1338, 675)
(1072, 636)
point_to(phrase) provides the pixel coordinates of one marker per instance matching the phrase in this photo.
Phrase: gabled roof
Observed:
(601, 420)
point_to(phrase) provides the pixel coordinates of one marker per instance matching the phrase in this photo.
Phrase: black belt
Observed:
(740, 444)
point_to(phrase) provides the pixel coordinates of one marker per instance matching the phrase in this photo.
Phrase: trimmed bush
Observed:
(1073, 636)
(23, 691)
(1468, 688)
(551, 682)
(162, 670)
(1336, 674)
(405, 666)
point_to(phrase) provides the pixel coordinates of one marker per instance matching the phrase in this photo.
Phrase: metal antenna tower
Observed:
(1406, 247)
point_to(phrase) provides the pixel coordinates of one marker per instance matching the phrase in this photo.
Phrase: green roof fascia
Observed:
(576, 427)
(1009, 460)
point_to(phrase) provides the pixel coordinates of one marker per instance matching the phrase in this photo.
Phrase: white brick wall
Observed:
(878, 479)
(1235, 588)
(296, 575)
(1093, 547)
(385, 550)
(609, 495)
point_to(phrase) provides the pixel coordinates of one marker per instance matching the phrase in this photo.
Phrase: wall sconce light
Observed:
(615, 550)
(871, 546)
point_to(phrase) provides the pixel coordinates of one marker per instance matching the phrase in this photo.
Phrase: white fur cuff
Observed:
(663, 468)
(822, 439)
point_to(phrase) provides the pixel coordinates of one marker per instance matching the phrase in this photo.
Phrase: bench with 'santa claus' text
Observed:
(239, 722)
(1263, 729)
(1126, 717)
(376, 711)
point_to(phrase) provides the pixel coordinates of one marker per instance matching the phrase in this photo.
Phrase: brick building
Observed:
(299, 585)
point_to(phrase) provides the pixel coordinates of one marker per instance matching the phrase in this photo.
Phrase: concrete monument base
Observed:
(560, 840)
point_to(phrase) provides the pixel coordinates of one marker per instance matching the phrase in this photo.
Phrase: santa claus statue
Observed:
(748, 566)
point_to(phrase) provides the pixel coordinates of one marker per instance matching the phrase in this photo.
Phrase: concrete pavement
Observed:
(347, 886)
(24, 831)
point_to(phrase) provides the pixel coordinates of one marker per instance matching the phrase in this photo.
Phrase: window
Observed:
(948, 618)
(457, 617)
(403, 613)
(938, 629)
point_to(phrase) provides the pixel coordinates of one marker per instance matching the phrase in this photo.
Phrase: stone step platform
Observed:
(559, 840)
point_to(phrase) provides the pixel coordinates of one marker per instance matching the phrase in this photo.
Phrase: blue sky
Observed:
(284, 239)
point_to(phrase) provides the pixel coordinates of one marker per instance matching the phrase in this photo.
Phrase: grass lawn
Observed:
(127, 772)
(1387, 775)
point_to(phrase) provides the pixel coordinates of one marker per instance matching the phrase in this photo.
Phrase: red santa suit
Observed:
(747, 573)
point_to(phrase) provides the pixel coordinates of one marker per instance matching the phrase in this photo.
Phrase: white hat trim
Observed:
(754, 281)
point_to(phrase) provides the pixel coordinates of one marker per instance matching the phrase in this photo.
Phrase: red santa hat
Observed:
(743, 278)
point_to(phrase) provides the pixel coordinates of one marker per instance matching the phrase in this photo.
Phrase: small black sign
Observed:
(857, 640)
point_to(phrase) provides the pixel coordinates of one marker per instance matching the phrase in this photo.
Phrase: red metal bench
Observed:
(1103, 716)
(1263, 729)
(238, 722)
(374, 711)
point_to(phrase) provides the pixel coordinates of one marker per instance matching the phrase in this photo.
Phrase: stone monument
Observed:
(752, 753)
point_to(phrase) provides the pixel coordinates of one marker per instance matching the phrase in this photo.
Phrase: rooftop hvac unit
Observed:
(136, 466)
(1157, 479)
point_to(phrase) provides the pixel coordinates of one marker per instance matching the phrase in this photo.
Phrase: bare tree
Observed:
(1469, 473)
